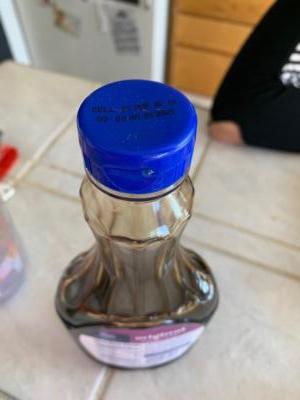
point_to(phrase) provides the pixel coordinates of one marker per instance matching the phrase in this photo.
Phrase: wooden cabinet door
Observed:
(247, 11)
(209, 34)
(197, 71)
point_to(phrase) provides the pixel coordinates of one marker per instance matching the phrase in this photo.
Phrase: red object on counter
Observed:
(8, 157)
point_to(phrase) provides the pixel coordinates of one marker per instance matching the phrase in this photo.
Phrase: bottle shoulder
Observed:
(142, 219)
(185, 291)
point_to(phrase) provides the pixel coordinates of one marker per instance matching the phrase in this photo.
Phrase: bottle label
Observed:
(140, 348)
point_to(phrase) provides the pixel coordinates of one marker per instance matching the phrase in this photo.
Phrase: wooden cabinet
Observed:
(197, 71)
(209, 34)
(205, 36)
(247, 11)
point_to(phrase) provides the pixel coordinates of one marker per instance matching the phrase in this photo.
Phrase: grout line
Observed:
(258, 235)
(50, 141)
(194, 47)
(202, 159)
(106, 384)
(100, 381)
(256, 264)
(61, 129)
(217, 18)
(64, 170)
(54, 192)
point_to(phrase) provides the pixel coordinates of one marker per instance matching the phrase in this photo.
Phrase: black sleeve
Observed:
(252, 94)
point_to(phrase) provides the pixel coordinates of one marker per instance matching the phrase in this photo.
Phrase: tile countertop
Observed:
(246, 224)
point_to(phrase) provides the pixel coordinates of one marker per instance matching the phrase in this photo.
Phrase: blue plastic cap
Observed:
(137, 136)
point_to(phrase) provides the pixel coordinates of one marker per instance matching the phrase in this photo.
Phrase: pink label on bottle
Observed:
(140, 348)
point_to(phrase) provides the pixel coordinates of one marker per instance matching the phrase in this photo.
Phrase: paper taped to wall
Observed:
(121, 22)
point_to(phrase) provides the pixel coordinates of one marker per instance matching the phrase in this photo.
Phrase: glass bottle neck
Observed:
(132, 196)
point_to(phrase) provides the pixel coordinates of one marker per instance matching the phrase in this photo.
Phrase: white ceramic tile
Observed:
(249, 351)
(201, 141)
(254, 189)
(39, 359)
(34, 102)
(260, 251)
(55, 180)
(201, 101)
(66, 153)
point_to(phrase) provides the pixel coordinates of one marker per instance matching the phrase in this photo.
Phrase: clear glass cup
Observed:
(12, 256)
